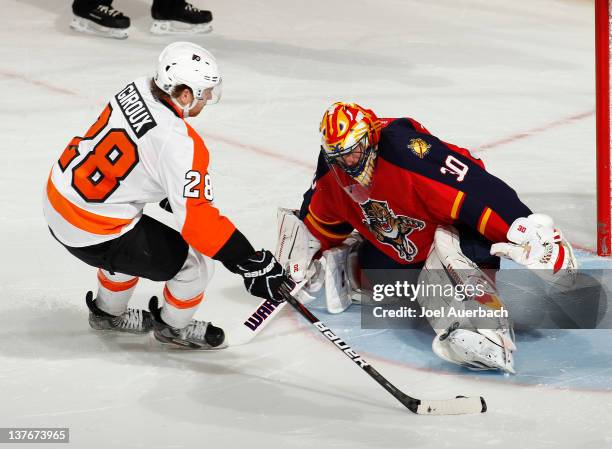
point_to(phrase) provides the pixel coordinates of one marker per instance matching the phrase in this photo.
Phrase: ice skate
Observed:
(185, 20)
(133, 321)
(196, 335)
(102, 21)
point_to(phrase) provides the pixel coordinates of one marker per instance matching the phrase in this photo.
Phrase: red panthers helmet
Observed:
(349, 129)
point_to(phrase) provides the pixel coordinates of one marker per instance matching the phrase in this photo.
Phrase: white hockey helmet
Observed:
(189, 64)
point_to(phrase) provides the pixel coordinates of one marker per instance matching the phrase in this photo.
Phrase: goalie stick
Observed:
(459, 405)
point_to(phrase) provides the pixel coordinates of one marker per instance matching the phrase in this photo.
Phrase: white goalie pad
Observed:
(295, 246)
(477, 350)
(337, 294)
(341, 280)
(295, 249)
(489, 344)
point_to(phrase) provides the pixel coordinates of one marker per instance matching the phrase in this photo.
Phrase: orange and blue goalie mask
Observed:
(349, 139)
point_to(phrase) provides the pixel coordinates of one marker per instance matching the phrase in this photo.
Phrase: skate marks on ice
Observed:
(78, 375)
(51, 331)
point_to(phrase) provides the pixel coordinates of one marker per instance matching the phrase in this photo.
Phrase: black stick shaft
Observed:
(409, 402)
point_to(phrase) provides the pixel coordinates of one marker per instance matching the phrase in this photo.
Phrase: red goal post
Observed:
(602, 93)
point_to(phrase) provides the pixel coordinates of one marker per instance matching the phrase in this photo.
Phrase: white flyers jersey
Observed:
(140, 150)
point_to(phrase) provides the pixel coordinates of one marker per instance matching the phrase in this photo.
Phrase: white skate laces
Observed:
(195, 330)
(108, 10)
(132, 319)
(190, 7)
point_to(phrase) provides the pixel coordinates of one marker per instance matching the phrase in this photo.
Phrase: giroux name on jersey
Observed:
(135, 110)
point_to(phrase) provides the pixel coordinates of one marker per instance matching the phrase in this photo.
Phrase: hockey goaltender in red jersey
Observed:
(142, 150)
(406, 199)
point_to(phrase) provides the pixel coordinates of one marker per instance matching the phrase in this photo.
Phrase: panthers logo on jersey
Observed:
(391, 229)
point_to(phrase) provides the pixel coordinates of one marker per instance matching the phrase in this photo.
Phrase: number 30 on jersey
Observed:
(195, 188)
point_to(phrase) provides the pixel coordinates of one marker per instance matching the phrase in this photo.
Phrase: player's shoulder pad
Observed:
(322, 170)
(404, 144)
(322, 166)
(416, 126)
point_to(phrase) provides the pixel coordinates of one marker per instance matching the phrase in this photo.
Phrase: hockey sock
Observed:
(178, 312)
(114, 291)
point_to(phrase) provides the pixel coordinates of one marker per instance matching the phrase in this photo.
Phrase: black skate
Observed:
(133, 321)
(184, 19)
(102, 20)
(197, 335)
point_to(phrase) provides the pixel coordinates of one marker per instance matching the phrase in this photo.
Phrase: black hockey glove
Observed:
(165, 205)
(263, 276)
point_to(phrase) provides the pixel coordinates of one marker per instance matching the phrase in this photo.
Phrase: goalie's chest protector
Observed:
(417, 185)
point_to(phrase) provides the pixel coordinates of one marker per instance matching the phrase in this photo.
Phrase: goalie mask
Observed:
(349, 140)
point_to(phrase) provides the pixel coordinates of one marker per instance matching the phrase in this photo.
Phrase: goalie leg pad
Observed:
(474, 350)
(341, 282)
(337, 294)
(487, 345)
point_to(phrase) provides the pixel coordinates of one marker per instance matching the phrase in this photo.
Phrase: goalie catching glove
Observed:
(535, 243)
(263, 275)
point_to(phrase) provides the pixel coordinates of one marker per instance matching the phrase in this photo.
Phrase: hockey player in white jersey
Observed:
(141, 150)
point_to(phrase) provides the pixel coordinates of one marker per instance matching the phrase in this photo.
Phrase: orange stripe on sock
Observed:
(182, 303)
(115, 286)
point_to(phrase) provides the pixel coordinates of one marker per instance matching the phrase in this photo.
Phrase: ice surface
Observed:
(512, 80)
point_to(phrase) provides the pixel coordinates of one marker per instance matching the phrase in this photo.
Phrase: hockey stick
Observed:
(258, 318)
(457, 406)
(256, 321)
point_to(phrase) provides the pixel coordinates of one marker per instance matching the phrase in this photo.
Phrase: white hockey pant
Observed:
(182, 294)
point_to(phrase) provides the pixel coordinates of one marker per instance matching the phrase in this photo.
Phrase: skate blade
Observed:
(180, 346)
(110, 330)
(166, 27)
(88, 27)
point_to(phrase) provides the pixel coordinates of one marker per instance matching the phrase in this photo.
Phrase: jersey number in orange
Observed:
(98, 175)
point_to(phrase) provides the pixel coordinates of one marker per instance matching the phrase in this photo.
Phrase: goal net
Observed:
(602, 80)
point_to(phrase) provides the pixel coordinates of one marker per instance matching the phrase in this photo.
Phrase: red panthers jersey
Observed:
(419, 182)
